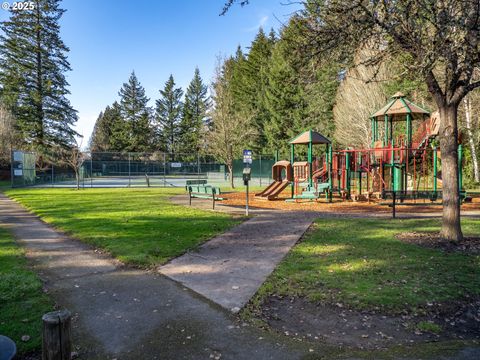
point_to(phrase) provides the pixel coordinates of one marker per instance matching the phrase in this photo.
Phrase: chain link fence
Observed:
(115, 169)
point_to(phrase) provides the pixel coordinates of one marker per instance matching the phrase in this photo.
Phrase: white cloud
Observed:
(263, 20)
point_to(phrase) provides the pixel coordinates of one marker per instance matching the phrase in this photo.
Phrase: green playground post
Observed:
(409, 122)
(359, 163)
(397, 178)
(435, 170)
(276, 155)
(292, 160)
(385, 141)
(409, 130)
(392, 166)
(310, 160)
(330, 169)
(391, 128)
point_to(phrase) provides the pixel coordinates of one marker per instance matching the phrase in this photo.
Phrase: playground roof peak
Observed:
(308, 137)
(398, 107)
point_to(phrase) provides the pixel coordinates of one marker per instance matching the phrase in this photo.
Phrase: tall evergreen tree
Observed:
(194, 112)
(284, 100)
(33, 60)
(100, 134)
(168, 114)
(236, 81)
(255, 84)
(136, 113)
(110, 131)
(120, 138)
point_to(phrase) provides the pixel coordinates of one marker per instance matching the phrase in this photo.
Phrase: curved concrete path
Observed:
(132, 314)
(230, 268)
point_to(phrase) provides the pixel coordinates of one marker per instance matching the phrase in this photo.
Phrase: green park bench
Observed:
(194, 182)
(203, 191)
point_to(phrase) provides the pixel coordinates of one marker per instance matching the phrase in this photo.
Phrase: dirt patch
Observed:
(433, 240)
(337, 325)
(337, 205)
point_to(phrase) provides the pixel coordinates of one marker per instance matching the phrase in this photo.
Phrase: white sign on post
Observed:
(247, 156)
(247, 160)
(18, 156)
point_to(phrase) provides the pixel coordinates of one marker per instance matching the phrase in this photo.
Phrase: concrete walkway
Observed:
(231, 267)
(131, 314)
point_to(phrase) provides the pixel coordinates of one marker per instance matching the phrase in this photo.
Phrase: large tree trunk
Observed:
(230, 173)
(451, 229)
(468, 122)
(77, 177)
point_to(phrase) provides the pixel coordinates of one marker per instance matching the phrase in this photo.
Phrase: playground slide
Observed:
(278, 189)
(318, 174)
(273, 190)
(268, 189)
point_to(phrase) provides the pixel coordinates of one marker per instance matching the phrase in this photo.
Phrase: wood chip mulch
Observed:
(238, 199)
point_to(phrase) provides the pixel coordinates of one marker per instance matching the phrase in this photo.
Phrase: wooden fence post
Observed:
(56, 336)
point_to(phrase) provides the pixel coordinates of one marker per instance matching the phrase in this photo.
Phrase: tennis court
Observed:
(117, 170)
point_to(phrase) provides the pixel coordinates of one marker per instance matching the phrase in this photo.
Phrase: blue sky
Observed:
(110, 38)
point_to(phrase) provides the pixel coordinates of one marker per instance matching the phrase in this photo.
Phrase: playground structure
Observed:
(398, 160)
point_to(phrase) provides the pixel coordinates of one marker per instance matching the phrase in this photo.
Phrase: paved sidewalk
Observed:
(132, 314)
(231, 267)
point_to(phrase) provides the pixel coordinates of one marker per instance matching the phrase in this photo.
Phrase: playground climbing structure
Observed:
(399, 159)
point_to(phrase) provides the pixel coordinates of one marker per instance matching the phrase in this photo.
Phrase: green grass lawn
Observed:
(22, 301)
(138, 226)
(360, 263)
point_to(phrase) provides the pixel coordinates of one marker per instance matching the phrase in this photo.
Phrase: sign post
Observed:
(247, 161)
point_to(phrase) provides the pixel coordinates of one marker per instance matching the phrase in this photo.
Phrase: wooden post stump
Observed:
(56, 338)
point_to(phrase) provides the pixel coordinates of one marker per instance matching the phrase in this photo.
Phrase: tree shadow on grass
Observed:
(361, 263)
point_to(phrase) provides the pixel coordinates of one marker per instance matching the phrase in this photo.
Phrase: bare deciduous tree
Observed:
(230, 128)
(8, 134)
(471, 110)
(357, 97)
(73, 157)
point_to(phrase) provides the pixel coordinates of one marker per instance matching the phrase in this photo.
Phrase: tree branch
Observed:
(434, 88)
(473, 86)
(228, 4)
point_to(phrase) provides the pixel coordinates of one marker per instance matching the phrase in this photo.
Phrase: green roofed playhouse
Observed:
(399, 160)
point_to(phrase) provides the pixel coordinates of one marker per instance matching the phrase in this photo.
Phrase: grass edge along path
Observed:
(140, 227)
(22, 300)
(360, 264)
